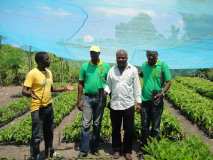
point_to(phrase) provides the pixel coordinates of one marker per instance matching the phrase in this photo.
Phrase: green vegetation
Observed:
(170, 127)
(202, 86)
(197, 108)
(20, 131)
(16, 62)
(13, 110)
(190, 148)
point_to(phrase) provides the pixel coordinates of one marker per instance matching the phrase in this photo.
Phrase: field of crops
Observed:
(187, 94)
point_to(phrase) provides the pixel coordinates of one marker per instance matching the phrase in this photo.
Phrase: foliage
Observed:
(169, 126)
(13, 109)
(15, 63)
(20, 131)
(190, 148)
(200, 85)
(197, 108)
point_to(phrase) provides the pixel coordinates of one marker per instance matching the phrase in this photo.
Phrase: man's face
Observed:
(94, 56)
(121, 59)
(152, 58)
(45, 62)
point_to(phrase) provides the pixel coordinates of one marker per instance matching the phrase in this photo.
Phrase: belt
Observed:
(91, 95)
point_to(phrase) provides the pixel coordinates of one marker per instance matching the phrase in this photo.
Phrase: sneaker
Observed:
(116, 155)
(82, 154)
(128, 156)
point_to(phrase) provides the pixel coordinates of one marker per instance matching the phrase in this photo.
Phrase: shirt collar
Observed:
(99, 63)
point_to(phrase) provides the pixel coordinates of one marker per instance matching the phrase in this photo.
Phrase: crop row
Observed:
(201, 86)
(20, 131)
(190, 148)
(13, 110)
(197, 108)
(170, 127)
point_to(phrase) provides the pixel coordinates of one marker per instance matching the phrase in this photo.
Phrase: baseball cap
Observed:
(95, 49)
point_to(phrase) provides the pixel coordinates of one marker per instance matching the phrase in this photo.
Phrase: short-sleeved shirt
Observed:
(40, 82)
(94, 76)
(154, 78)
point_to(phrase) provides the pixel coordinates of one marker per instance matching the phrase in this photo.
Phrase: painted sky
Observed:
(180, 30)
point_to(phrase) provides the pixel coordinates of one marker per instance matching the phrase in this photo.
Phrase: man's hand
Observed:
(69, 87)
(138, 107)
(158, 96)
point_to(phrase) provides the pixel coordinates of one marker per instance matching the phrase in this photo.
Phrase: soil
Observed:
(8, 94)
(70, 150)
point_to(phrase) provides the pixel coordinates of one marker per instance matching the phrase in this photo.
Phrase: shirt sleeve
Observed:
(108, 87)
(137, 86)
(81, 74)
(166, 72)
(28, 80)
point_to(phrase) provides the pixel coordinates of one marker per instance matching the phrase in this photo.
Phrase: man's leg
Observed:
(48, 127)
(156, 113)
(116, 120)
(128, 123)
(36, 135)
(145, 122)
(86, 121)
(98, 110)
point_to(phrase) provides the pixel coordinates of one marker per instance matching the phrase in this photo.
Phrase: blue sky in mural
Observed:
(180, 30)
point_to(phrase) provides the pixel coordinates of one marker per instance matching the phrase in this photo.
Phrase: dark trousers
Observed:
(150, 119)
(42, 125)
(127, 116)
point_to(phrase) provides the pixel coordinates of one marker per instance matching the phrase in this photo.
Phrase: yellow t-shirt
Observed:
(40, 82)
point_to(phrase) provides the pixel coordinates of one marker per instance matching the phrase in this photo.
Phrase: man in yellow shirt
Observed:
(38, 86)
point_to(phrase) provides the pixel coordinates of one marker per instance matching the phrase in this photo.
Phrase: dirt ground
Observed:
(8, 94)
(70, 150)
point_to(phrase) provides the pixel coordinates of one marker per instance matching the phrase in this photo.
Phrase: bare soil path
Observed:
(9, 93)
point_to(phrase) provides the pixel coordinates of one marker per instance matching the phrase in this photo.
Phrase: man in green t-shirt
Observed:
(91, 100)
(156, 82)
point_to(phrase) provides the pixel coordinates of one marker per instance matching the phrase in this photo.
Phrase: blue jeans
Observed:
(92, 115)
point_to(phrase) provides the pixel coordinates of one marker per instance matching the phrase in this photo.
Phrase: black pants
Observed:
(128, 124)
(42, 125)
(150, 117)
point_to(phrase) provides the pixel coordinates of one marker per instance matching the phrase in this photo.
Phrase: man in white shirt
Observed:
(125, 89)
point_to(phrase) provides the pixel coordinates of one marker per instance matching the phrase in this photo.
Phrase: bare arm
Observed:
(62, 89)
(80, 93)
(27, 91)
(166, 88)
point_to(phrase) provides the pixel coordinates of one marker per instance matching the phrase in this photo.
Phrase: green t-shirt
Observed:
(154, 78)
(94, 76)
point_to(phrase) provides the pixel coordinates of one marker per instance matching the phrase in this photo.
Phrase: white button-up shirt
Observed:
(125, 87)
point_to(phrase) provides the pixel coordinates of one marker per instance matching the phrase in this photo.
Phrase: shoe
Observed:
(49, 152)
(140, 156)
(128, 156)
(96, 153)
(82, 154)
(115, 155)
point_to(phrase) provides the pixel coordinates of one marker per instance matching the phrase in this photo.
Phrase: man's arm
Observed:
(80, 93)
(137, 90)
(166, 88)
(27, 91)
(69, 87)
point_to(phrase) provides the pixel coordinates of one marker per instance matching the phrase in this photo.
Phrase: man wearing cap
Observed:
(91, 100)
(157, 80)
